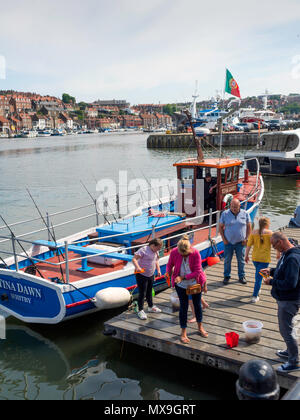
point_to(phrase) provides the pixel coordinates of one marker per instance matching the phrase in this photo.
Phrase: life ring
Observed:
(227, 201)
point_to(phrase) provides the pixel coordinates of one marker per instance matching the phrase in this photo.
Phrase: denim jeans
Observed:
(287, 310)
(240, 250)
(145, 285)
(258, 278)
(184, 306)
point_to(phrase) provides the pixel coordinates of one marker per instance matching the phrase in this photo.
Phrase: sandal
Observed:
(203, 333)
(185, 340)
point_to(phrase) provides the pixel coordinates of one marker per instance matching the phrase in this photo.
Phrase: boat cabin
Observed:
(225, 175)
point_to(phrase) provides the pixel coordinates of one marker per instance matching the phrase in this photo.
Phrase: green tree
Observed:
(68, 99)
(169, 109)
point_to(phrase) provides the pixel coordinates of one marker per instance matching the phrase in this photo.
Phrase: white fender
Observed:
(112, 297)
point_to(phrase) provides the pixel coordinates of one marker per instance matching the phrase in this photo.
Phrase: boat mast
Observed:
(194, 104)
(200, 154)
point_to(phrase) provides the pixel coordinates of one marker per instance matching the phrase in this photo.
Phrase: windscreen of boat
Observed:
(279, 142)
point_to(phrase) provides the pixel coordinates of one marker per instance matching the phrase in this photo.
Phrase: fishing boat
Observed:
(278, 154)
(89, 271)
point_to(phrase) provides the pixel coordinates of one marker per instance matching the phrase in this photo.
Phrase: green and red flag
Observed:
(231, 85)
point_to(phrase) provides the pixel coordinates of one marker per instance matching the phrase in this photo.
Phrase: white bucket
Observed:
(253, 330)
(175, 301)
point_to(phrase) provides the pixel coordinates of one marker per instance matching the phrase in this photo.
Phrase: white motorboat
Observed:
(44, 133)
(27, 134)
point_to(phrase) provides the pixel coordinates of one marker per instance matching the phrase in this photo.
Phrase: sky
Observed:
(149, 51)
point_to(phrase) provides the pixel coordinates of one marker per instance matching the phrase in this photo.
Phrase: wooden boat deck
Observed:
(229, 307)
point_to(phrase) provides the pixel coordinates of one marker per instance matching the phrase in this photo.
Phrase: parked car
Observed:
(243, 127)
(262, 125)
(274, 125)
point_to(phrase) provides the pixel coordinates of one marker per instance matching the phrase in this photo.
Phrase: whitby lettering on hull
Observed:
(26, 292)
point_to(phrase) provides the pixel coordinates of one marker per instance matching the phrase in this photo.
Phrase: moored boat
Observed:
(92, 270)
(278, 154)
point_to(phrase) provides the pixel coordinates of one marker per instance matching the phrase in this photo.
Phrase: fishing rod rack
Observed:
(63, 245)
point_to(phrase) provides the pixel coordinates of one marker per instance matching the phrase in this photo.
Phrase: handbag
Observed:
(194, 290)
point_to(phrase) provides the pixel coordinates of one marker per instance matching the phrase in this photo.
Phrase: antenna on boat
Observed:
(196, 139)
(194, 104)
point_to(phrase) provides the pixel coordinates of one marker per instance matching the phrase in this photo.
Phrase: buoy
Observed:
(112, 297)
(213, 261)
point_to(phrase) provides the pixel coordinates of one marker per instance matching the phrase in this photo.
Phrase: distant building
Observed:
(163, 120)
(20, 103)
(149, 108)
(149, 120)
(4, 105)
(15, 124)
(120, 104)
(39, 122)
(92, 112)
(26, 121)
(130, 121)
(4, 125)
(69, 123)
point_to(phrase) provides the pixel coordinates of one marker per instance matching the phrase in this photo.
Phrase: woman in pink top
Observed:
(185, 267)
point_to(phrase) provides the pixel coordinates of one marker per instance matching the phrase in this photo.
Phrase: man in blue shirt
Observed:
(295, 221)
(235, 229)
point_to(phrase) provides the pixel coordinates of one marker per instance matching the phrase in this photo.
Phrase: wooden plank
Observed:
(230, 306)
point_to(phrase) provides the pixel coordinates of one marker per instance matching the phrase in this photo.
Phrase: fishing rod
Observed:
(141, 191)
(40, 213)
(59, 253)
(95, 201)
(21, 246)
(112, 213)
(151, 189)
(4, 263)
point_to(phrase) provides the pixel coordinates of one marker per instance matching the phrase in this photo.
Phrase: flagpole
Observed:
(221, 138)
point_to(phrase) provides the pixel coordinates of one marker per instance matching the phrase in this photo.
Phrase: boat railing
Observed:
(49, 217)
(106, 253)
(152, 229)
(17, 240)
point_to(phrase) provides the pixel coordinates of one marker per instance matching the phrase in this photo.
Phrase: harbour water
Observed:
(74, 360)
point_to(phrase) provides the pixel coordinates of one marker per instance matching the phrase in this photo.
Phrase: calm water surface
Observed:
(74, 360)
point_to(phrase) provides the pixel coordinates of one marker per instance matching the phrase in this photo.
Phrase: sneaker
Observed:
(283, 354)
(287, 367)
(142, 315)
(226, 280)
(243, 281)
(255, 299)
(155, 310)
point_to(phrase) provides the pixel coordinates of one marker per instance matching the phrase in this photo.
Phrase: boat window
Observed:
(236, 173)
(230, 174)
(223, 175)
(187, 173)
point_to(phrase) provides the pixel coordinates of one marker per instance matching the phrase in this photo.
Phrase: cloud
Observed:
(110, 49)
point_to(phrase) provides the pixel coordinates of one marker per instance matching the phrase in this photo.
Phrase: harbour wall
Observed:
(182, 141)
